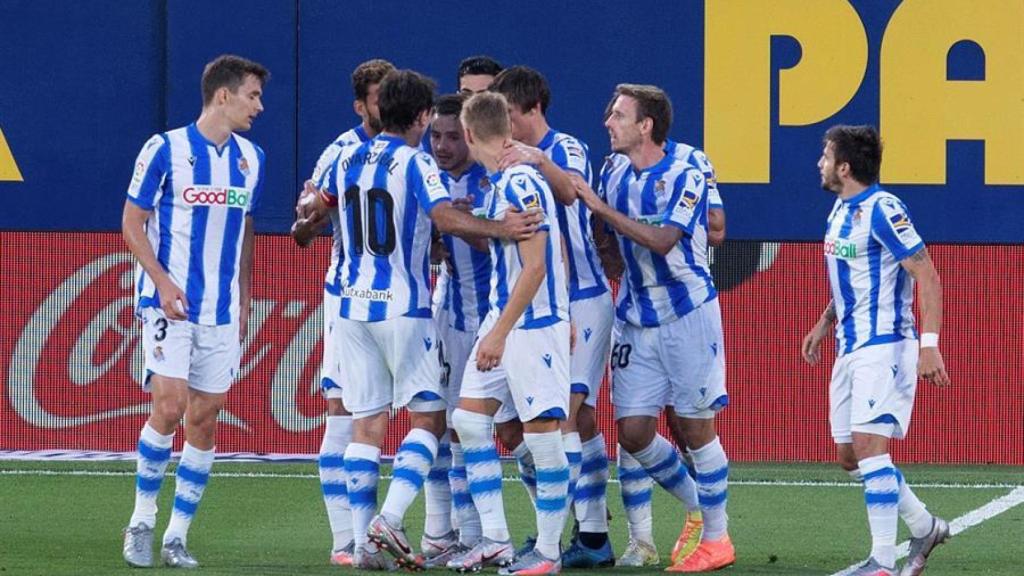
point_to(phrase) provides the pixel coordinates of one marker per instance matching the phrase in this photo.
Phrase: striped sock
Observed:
(333, 483)
(574, 454)
(881, 496)
(483, 471)
(438, 492)
(591, 505)
(527, 470)
(637, 489)
(663, 463)
(552, 489)
(465, 512)
(362, 466)
(190, 482)
(154, 454)
(412, 464)
(712, 468)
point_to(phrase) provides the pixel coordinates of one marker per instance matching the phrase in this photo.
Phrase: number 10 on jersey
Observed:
(370, 220)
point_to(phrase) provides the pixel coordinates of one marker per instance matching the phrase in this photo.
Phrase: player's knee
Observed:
(635, 434)
(169, 409)
(335, 407)
(432, 422)
(510, 434)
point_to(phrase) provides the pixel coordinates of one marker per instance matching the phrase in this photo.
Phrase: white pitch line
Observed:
(783, 483)
(972, 518)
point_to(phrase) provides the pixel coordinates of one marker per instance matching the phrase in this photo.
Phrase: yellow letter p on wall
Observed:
(921, 109)
(8, 167)
(737, 75)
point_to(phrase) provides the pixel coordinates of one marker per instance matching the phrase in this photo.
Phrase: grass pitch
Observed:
(66, 518)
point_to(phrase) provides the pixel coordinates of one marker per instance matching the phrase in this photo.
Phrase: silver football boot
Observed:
(138, 546)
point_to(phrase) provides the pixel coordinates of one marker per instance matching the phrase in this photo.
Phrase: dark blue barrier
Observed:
(755, 82)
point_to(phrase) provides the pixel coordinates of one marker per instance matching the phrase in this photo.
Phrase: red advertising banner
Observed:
(71, 360)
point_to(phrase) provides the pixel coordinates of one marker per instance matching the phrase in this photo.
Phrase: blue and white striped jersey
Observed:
(199, 196)
(699, 160)
(357, 135)
(524, 188)
(385, 191)
(467, 296)
(660, 289)
(587, 277)
(866, 238)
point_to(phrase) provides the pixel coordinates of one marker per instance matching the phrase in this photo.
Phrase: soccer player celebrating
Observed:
(671, 348)
(188, 222)
(387, 192)
(465, 301)
(563, 159)
(338, 433)
(521, 356)
(871, 247)
(476, 74)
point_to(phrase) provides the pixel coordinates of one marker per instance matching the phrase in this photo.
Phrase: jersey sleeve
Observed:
(151, 169)
(324, 162)
(571, 155)
(526, 192)
(425, 182)
(891, 225)
(257, 191)
(700, 161)
(682, 210)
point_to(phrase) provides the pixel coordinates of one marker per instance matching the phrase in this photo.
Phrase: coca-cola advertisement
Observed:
(71, 359)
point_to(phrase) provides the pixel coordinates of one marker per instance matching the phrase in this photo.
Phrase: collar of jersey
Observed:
(659, 166)
(194, 132)
(547, 140)
(390, 138)
(361, 133)
(863, 195)
(474, 168)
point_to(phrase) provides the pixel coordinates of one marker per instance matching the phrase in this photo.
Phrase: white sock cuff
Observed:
(154, 438)
(653, 450)
(709, 456)
(339, 426)
(594, 447)
(474, 428)
(362, 452)
(874, 463)
(571, 441)
(521, 451)
(194, 455)
(547, 448)
(627, 460)
(457, 457)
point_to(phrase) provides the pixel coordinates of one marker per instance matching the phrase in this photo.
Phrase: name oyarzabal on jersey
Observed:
(588, 278)
(866, 238)
(523, 188)
(199, 195)
(659, 289)
(384, 190)
(351, 137)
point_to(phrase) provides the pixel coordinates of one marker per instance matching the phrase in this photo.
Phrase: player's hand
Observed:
(520, 225)
(307, 200)
(464, 204)
(585, 193)
(173, 301)
(931, 367)
(489, 352)
(516, 152)
(572, 337)
(810, 348)
(243, 323)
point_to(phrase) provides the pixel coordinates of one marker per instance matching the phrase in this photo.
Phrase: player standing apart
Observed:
(874, 257)
(671, 349)
(188, 222)
(366, 80)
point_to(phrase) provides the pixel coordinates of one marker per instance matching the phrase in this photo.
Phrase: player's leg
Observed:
(540, 391)
(417, 387)
(166, 345)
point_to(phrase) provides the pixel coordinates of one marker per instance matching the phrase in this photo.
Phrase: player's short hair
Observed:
(404, 95)
(367, 74)
(858, 146)
(482, 65)
(524, 87)
(485, 115)
(651, 102)
(229, 71)
(449, 105)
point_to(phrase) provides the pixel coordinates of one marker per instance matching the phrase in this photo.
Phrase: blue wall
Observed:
(83, 85)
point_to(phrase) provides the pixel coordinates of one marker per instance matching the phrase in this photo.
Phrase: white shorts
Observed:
(206, 356)
(394, 362)
(458, 345)
(533, 375)
(681, 364)
(872, 391)
(593, 318)
(330, 377)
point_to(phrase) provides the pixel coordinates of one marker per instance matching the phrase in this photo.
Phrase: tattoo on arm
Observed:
(919, 256)
(829, 315)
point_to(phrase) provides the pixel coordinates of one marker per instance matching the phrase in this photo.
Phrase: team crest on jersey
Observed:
(243, 165)
(857, 216)
(485, 184)
(659, 186)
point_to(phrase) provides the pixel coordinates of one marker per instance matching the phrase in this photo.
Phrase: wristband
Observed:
(929, 340)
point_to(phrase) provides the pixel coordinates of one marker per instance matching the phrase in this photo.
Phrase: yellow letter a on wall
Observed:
(8, 167)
